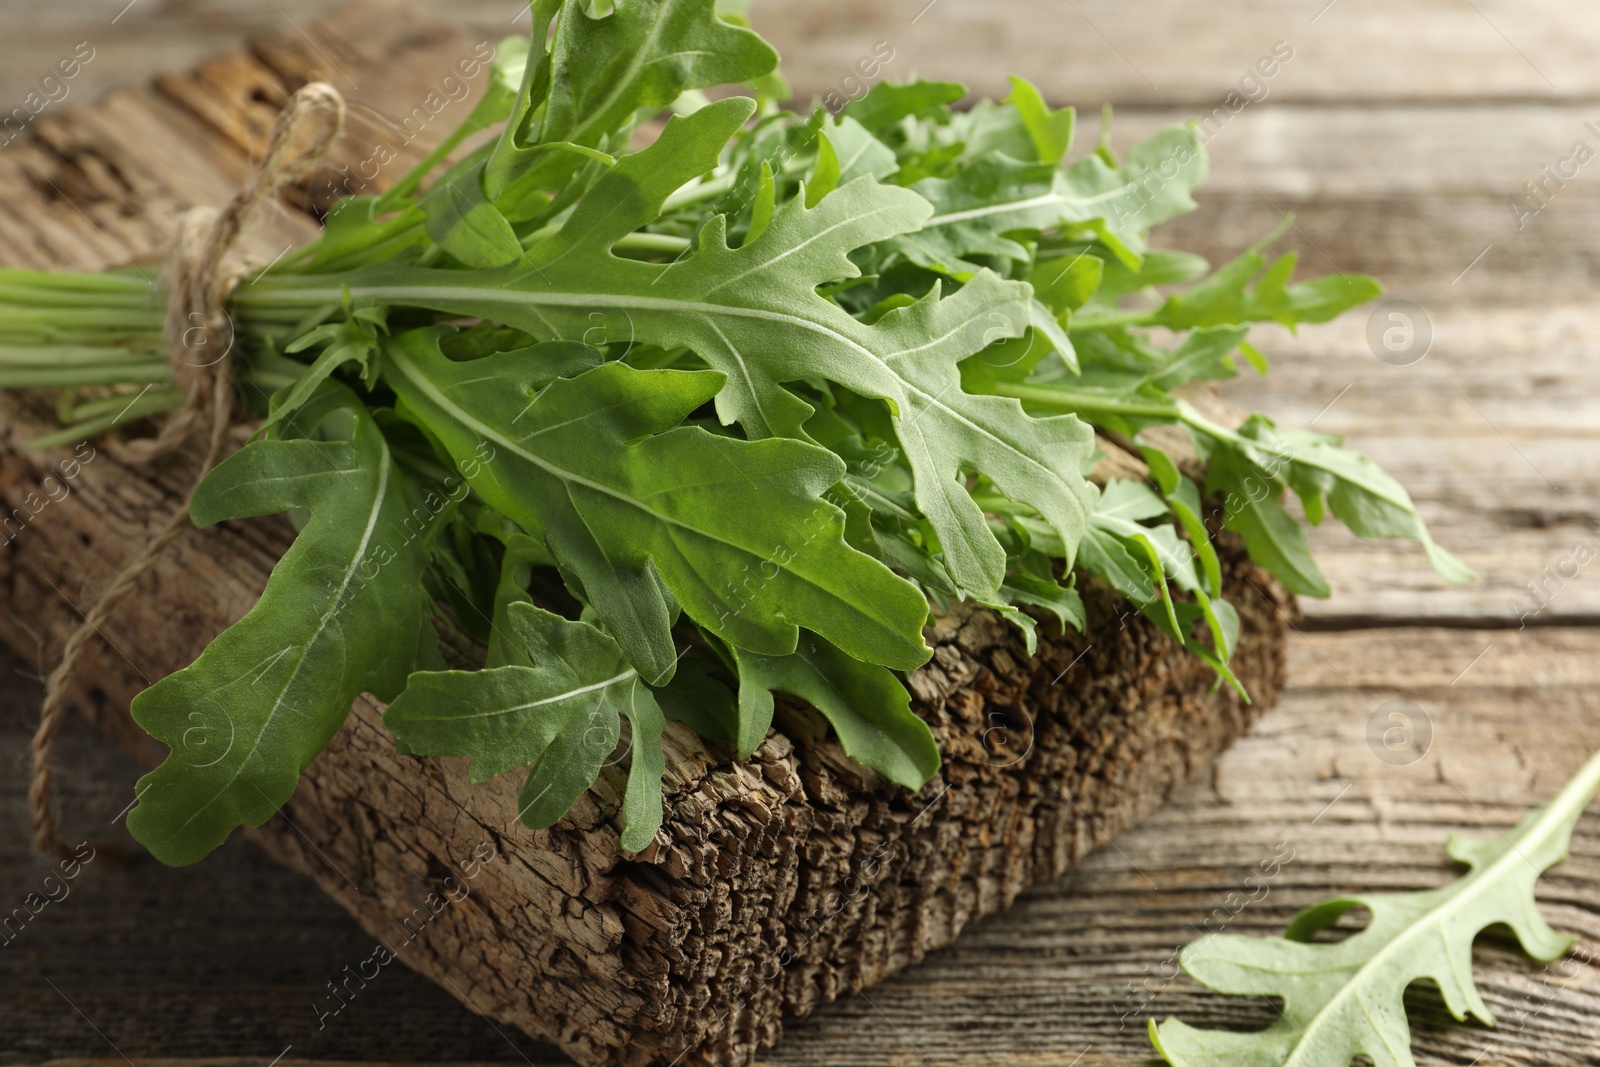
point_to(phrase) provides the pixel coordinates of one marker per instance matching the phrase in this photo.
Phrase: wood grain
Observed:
(1036, 985)
(1124, 52)
(1397, 136)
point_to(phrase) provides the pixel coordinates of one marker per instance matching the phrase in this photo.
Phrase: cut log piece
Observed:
(776, 884)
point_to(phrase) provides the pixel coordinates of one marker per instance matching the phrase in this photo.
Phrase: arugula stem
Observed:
(1073, 403)
(409, 184)
(720, 183)
(1110, 319)
(152, 403)
(72, 355)
(1077, 403)
(150, 373)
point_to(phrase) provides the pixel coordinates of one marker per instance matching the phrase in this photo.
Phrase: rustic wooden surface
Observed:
(1397, 136)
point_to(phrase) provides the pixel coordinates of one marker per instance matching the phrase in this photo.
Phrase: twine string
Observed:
(199, 335)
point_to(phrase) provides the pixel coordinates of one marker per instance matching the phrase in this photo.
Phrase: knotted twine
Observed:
(199, 334)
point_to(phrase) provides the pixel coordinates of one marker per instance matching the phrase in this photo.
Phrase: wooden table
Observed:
(1397, 136)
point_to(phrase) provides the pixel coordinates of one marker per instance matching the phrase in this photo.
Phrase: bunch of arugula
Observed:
(764, 388)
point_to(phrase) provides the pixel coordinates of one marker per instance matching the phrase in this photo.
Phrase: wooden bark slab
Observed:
(777, 884)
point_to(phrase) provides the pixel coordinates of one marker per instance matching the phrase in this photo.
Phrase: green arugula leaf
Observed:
(465, 223)
(1249, 290)
(600, 71)
(1343, 999)
(355, 339)
(1050, 130)
(888, 103)
(268, 693)
(559, 708)
(857, 152)
(866, 706)
(1270, 534)
(1361, 494)
(1183, 498)
(1158, 267)
(644, 517)
(995, 195)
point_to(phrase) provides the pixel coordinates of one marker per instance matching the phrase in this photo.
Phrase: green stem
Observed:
(651, 242)
(98, 317)
(719, 184)
(1075, 403)
(403, 188)
(155, 402)
(70, 377)
(75, 355)
(74, 281)
(1576, 794)
(1109, 319)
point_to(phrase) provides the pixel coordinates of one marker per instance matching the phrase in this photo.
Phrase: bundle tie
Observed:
(200, 337)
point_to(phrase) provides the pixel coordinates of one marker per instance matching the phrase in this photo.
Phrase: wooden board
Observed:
(1089, 52)
(1397, 144)
(1037, 985)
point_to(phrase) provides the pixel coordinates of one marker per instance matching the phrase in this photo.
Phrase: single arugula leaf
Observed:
(466, 224)
(986, 129)
(867, 707)
(339, 616)
(1050, 130)
(1047, 594)
(1183, 497)
(1361, 494)
(1247, 290)
(1123, 360)
(600, 71)
(1254, 512)
(887, 103)
(1228, 297)
(559, 709)
(824, 172)
(646, 515)
(1343, 999)
(857, 152)
(355, 339)
(1157, 267)
(995, 195)
(753, 313)
(695, 697)
(763, 204)
(1066, 284)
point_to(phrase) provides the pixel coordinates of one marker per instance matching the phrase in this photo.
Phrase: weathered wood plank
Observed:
(1420, 197)
(1165, 51)
(1036, 985)
(1093, 51)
